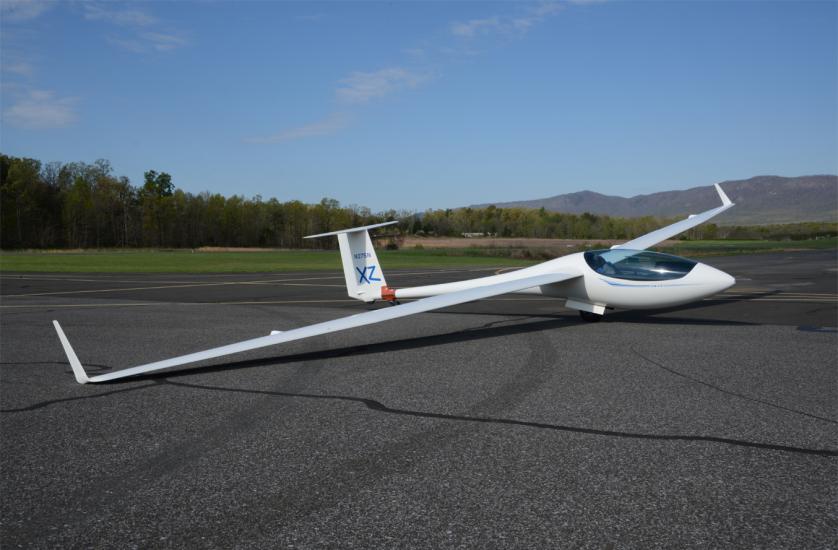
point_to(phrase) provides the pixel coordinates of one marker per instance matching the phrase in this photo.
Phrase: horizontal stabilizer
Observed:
(352, 230)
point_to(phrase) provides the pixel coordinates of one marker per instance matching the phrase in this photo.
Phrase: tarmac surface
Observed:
(496, 424)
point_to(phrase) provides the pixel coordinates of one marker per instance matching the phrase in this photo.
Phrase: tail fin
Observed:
(363, 273)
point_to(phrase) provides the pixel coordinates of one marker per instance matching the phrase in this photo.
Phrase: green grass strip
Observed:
(225, 262)
(187, 261)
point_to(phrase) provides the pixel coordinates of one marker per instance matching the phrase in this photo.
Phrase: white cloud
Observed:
(507, 24)
(163, 41)
(40, 109)
(149, 41)
(19, 68)
(535, 16)
(328, 126)
(23, 10)
(476, 26)
(142, 34)
(135, 18)
(360, 87)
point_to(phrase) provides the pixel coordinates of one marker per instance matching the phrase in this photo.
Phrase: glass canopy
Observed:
(638, 265)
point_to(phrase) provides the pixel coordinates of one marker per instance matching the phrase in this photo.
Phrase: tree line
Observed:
(80, 205)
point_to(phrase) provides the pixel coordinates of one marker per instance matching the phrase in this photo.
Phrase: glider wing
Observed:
(353, 321)
(659, 235)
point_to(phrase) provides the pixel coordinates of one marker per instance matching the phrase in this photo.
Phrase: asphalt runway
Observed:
(497, 424)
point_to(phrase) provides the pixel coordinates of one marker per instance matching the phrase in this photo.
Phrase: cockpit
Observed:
(638, 265)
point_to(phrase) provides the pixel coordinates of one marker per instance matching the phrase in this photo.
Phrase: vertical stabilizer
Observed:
(361, 268)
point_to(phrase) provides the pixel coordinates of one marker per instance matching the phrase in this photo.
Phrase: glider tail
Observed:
(361, 268)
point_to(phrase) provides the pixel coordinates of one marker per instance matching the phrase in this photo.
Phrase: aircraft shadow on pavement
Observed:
(492, 329)
(648, 316)
(379, 407)
(711, 302)
(488, 330)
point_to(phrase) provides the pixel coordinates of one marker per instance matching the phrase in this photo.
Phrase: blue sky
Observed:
(415, 105)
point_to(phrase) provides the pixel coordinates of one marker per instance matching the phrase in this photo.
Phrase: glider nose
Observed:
(715, 280)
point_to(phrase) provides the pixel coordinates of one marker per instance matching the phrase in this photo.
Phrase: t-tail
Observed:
(361, 268)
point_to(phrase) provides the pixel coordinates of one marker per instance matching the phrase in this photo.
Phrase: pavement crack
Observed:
(733, 393)
(810, 328)
(49, 402)
(378, 406)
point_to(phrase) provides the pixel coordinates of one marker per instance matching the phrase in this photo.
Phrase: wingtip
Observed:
(75, 364)
(725, 200)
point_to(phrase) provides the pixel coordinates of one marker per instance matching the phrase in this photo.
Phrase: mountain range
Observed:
(759, 200)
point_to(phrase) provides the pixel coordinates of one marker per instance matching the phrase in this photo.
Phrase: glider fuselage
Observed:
(639, 280)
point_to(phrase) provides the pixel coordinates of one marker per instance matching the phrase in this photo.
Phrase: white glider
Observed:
(626, 276)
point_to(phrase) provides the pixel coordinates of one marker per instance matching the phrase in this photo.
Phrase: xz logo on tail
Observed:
(367, 274)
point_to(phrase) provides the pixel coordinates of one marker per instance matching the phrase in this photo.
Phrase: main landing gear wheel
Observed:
(589, 317)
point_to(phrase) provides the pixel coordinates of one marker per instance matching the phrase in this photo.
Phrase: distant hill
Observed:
(759, 200)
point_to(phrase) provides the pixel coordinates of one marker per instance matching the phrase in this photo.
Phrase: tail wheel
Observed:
(590, 317)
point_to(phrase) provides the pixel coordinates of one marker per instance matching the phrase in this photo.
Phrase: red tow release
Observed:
(388, 294)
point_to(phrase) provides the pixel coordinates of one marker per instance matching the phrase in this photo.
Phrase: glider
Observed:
(624, 276)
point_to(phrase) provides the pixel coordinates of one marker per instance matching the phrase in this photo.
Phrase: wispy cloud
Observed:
(41, 109)
(23, 10)
(162, 42)
(363, 87)
(20, 68)
(360, 87)
(142, 32)
(151, 41)
(507, 24)
(473, 27)
(98, 12)
(328, 126)
(535, 16)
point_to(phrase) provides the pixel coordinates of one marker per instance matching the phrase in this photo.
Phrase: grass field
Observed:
(542, 249)
(187, 261)
(717, 248)
(145, 261)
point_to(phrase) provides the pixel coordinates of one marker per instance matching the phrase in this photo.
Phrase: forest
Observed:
(80, 205)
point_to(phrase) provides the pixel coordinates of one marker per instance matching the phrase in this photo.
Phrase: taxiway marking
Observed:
(280, 282)
(818, 299)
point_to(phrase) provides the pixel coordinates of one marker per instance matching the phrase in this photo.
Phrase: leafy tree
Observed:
(156, 205)
(158, 185)
(22, 192)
